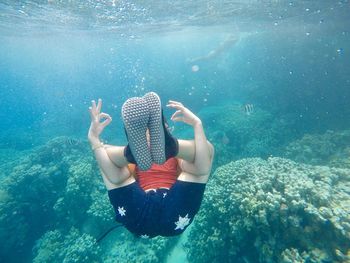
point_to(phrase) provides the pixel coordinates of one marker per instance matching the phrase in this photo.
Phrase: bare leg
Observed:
(126, 180)
(116, 154)
(187, 150)
(187, 154)
(113, 175)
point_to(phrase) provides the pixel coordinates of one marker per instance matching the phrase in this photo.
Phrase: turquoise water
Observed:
(269, 79)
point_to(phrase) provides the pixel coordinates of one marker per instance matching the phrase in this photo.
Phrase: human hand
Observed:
(183, 114)
(96, 126)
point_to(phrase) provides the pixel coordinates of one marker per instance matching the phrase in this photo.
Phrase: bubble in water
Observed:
(190, 93)
(308, 33)
(205, 99)
(195, 68)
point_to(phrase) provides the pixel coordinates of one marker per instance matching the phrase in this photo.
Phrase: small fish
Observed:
(72, 141)
(248, 108)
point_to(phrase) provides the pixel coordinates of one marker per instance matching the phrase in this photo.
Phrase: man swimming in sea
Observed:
(156, 182)
(230, 41)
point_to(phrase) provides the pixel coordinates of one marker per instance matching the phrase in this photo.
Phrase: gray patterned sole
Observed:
(135, 114)
(155, 126)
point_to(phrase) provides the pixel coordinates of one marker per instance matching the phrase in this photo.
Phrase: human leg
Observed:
(162, 144)
(155, 127)
(117, 155)
(135, 114)
(186, 156)
(180, 205)
(113, 175)
(124, 178)
(185, 151)
(131, 205)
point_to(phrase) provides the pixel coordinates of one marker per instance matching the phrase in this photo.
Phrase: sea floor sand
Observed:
(178, 254)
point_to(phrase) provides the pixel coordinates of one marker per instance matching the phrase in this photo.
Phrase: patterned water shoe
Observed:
(155, 126)
(135, 115)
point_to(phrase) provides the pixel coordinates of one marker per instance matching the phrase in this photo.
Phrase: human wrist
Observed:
(94, 141)
(96, 146)
(197, 123)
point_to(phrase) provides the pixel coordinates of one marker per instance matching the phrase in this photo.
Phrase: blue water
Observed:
(291, 61)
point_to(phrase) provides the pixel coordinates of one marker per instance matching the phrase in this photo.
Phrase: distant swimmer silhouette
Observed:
(230, 41)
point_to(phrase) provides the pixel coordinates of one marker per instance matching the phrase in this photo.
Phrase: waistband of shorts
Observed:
(157, 189)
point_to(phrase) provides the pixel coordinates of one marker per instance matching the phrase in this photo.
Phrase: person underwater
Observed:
(156, 182)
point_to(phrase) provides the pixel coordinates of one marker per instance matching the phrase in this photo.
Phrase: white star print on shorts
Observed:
(121, 211)
(182, 222)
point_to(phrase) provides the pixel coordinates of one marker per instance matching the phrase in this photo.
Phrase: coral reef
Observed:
(53, 188)
(236, 134)
(9, 159)
(57, 173)
(100, 208)
(273, 210)
(28, 194)
(54, 246)
(331, 148)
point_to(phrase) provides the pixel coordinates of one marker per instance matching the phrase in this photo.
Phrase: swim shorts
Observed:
(160, 212)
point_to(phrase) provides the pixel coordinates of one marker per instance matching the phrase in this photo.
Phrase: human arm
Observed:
(196, 155)
(113, 175)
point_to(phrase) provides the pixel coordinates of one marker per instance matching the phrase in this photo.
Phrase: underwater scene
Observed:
(269, 79)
